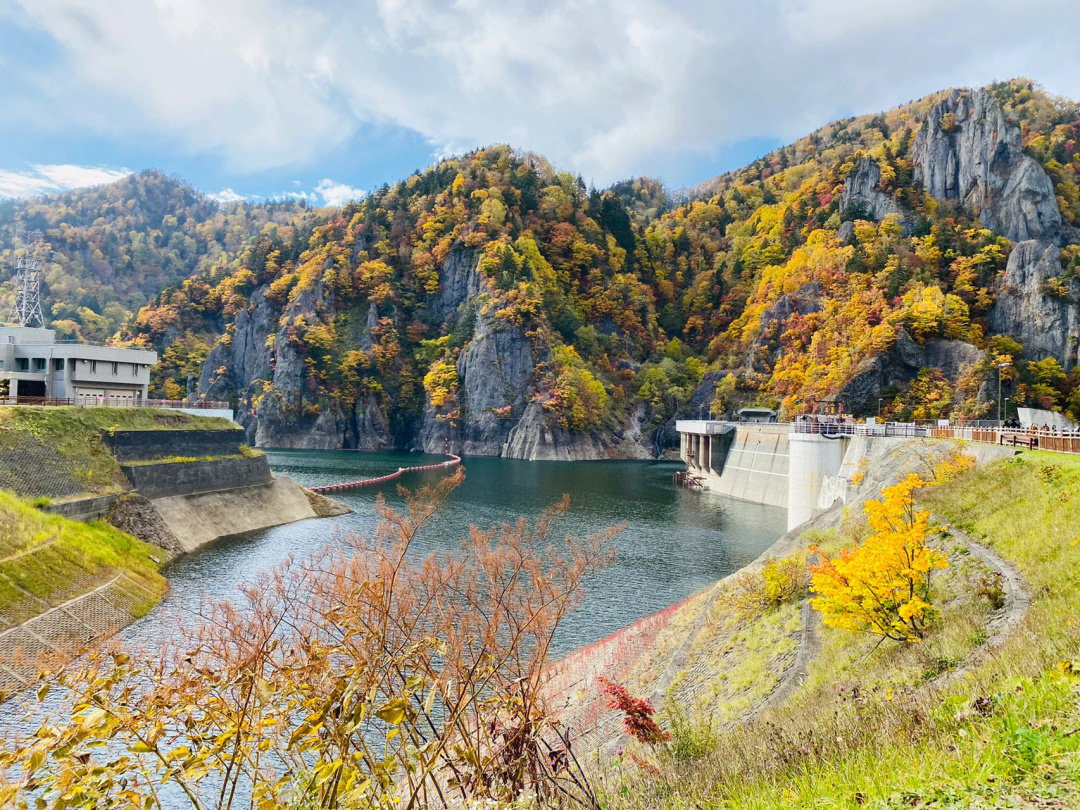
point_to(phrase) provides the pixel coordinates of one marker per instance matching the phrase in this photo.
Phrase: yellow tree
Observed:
(883, 585)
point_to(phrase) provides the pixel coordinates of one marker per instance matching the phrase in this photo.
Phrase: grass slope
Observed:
(871, 727)
(60, 453)
(47, 559)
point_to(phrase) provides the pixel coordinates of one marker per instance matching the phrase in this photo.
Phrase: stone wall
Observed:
(182, 478)
(143, 445)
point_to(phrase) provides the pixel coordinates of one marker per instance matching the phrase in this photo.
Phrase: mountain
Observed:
(498, 306)
(115, 246)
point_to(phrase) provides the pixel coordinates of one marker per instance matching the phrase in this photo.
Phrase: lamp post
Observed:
(880, 400)
(1000, 366)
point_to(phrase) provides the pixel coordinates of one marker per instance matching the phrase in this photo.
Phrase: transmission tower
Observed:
(26, 306)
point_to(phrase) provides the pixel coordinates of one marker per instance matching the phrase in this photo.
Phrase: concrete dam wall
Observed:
(749, 462)
(803, 472)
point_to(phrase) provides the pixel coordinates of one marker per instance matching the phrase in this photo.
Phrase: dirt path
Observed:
(1003, 621)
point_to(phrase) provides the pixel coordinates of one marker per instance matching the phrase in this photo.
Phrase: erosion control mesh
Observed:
(30, 468)
(65, 630)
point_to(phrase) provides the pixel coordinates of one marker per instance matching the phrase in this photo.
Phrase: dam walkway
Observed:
(1033, 438)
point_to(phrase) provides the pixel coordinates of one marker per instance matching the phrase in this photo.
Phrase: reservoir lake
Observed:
(675, 541)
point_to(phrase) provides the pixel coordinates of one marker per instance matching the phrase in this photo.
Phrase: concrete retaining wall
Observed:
(185, 477)
(84, 509)
(144, 445)
(202, 518)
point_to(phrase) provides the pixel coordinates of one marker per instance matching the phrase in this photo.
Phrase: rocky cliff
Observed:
(967, 150)
(1038, 306)
(862, 189)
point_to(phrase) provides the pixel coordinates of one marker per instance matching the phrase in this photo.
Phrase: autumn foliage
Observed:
(360, 679)
(883, 585)
(637, 713)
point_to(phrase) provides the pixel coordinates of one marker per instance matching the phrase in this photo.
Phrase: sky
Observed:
(326, 100)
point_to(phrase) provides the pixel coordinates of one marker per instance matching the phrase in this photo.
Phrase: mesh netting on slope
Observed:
(65, 630)
(30, 468)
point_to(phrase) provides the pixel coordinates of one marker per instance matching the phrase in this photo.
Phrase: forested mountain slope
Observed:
(498, 305)
(113, 247)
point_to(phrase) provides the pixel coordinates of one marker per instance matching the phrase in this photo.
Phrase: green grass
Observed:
(243, 452)
(48, 559)
(867, 731)
(69, 439)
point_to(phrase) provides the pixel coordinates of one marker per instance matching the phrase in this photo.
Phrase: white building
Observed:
(34, 364)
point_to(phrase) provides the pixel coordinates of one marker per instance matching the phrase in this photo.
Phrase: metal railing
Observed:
(117, 402)
(1042, 438)
(827, 427)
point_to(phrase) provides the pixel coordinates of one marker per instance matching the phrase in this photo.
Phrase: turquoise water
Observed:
(675, 541)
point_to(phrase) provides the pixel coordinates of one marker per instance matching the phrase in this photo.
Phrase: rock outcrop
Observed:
(532, 438)
(967, 150)
(862, 189)
(1045, 318)
(496, 372)
(459, 281)
(896, 368)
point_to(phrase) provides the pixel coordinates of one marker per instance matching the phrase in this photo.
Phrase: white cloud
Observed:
(337, 194)
(51, 178)
(606, 88)
(227, 195)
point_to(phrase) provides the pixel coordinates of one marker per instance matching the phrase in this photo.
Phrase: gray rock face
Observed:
(863, 187)
(899, 366)
(368, 428)
(1047, 325)
(534, 439)
(953, 357)
(967, 150)
(247, 357)
(495, 370)
(459, 281)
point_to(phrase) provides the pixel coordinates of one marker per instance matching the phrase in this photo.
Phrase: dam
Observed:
(800, 468)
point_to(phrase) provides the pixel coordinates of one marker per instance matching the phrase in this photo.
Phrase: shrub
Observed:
(637, 713)
(776, 582)
(690, 740)
(991, 586)
(883, 585)
(363, 680)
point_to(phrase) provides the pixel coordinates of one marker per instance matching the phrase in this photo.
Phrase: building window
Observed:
(93, 366)
(58, 364)
(115, 368)
(22, 363)
(39, 364)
